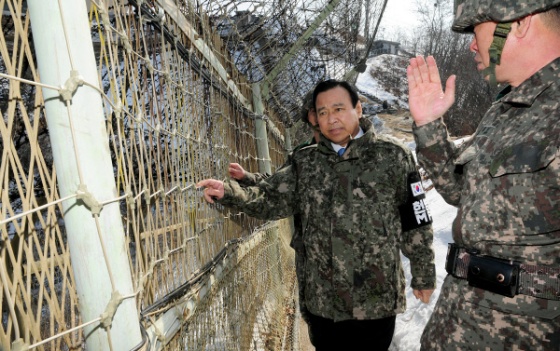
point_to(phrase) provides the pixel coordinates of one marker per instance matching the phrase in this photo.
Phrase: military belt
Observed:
(501, 276)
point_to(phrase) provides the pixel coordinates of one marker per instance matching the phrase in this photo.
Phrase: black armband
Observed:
(414, 212)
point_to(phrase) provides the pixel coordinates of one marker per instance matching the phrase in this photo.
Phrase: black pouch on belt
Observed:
(492, 274)
(451, 260)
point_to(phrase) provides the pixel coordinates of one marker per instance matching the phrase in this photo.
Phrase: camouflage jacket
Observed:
(505, 180)
(351, 229)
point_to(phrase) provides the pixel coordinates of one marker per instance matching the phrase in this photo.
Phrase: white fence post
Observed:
(260, 132)
(81, 154)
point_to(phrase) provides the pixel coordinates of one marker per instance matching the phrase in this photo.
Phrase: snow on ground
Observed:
(410, 324)
(391, 73)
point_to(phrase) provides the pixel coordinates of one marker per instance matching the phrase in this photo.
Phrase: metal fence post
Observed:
(260, 131)
(81, 154)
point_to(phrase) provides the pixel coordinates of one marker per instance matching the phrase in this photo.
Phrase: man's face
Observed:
(337, 119)
(480, 45)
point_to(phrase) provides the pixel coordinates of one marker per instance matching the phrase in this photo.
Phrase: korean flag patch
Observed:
(417, 189)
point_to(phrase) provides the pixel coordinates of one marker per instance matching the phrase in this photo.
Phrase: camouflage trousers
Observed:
(461, 322)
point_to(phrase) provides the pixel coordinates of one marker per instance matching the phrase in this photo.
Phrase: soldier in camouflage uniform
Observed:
(352, 237)
(503, 290)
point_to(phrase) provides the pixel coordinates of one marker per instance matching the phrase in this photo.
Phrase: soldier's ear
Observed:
(521, 26)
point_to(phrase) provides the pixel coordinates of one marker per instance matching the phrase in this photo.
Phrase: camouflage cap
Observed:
(469, 13)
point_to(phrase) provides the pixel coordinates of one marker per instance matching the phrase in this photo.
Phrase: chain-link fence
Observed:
(112, 111)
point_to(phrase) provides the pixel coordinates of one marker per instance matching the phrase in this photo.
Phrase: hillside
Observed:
(384, 83)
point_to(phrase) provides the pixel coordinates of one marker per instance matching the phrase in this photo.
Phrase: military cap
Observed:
(469, 13)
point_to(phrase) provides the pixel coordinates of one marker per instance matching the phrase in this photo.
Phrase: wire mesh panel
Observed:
(171, 120)
(260, 267)
(175, 85)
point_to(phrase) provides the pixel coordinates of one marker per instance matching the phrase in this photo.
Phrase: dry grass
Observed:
(398, 124)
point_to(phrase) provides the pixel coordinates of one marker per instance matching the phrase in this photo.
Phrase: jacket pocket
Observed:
(526, 187)
(523, 158)
(378, 254)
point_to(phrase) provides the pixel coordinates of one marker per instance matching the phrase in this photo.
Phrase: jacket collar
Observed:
(526, 93)
(369, 134)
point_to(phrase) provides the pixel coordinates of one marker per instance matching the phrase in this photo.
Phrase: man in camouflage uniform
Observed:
(352, 236)
(503, 290)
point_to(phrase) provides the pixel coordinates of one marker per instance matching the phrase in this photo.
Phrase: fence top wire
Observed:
(260, 34)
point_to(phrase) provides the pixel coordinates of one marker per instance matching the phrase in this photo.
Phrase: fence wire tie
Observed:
(130, 200)
(109, 313)
(104, 14)
(139, 117)
(125, 43)
(147, 197)
(118, 110)
(160, 16)
(87, 198)
(71, 85)
(149, 65)
(19, 345)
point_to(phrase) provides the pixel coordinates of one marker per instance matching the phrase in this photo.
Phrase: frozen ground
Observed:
(410, 324)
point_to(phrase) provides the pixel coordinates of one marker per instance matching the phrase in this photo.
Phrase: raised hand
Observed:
(426, 99)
